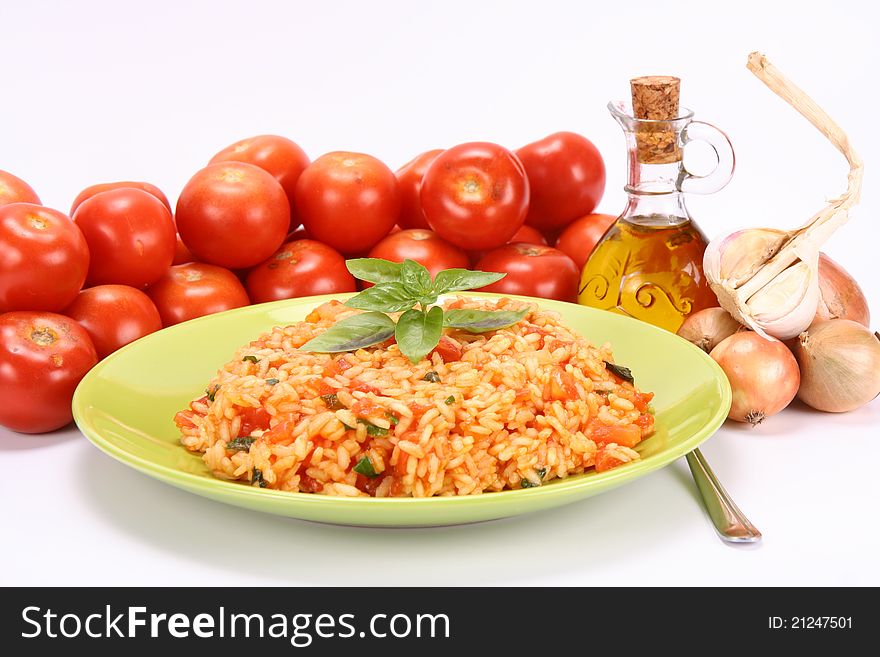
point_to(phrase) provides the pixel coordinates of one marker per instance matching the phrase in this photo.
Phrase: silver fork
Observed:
(730, 523)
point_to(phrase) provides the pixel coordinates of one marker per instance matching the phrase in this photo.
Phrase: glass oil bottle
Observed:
(649, 264)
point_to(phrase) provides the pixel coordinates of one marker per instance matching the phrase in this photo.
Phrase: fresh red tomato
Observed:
(528, 235)
(532, 270)
(566, 176)
(424, 246)
(89, 192)
(114, 315)
(279, 156)
(348, 201)
(475, 195)
(15, 190)
(233, 214)
(194, 290)
(581, 236)
(182, 254)
(43, 258)
(409, 179)
(43, 356)
(299, 269)
(130, 236)
(525, 235)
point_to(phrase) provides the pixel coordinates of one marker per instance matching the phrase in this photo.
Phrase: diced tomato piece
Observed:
(252, 419)
(536, 329)
(283, 429)
(183, 420)
(628, 435)
(336, 366)
(522, 395)
(368, 484)
(367, 408)
(641, 400)
(606, 461)
(400, 466)
(361, 386)
(323, 388)
(327, 310)
(645, 422)
(562, 385)
(309, 485)
(448, 350)
(418, 410)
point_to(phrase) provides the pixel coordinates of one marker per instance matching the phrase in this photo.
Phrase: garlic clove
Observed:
(787, 304)
(736, 258)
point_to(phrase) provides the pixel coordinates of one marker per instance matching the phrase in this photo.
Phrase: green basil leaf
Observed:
(619, 370)
(383, 297)
(240, 444)
(450, 280)
(351, 333)
(416, 279)
(481, 321)
(332, 402)
(417, 332)
(365, 467)
(374, 270)
(372, 429)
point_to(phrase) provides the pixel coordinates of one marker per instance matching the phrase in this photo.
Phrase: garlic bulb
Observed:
(768, 279)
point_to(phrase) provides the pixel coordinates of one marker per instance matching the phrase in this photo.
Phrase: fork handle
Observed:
(730, 523)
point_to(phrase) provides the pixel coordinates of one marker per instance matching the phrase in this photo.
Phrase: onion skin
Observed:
(840, 297)
(707, 327)
(840, 365)
(763, 375)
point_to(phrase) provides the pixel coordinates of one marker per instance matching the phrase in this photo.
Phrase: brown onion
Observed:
(840, 297)
(763, 375)
(840, 365)
(708, 327)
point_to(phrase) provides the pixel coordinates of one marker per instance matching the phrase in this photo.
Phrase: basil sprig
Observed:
(408, 288)
(353, 333)
(619, 370)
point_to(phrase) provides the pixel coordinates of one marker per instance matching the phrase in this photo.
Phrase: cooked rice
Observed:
(523, 405)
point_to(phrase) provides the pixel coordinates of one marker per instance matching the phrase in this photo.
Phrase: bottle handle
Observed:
(723, 171)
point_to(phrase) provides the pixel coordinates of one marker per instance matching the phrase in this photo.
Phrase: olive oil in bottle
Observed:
(650, 270)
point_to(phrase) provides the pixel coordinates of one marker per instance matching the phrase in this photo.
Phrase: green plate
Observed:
(126, 403)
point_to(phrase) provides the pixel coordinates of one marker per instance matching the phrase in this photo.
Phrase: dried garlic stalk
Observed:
(769, 279)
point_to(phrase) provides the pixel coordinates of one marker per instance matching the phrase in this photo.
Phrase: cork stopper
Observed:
(655, 97)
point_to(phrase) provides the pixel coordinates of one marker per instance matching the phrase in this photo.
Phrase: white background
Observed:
(149, 91)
